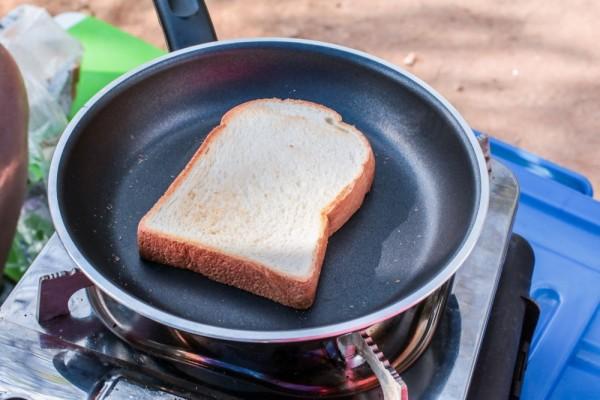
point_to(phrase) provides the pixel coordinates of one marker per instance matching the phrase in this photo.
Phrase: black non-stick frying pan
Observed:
(121, 151)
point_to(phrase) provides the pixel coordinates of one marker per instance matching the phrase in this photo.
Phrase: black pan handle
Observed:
(185, 22)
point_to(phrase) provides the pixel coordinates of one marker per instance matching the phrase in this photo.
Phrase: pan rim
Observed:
(270, 336)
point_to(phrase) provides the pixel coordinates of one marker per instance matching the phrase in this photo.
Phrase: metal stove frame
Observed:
(76, 357)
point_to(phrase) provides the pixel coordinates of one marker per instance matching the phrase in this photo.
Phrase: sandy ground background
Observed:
(527, 72)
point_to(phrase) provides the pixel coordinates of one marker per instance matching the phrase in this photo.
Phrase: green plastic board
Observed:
(108, 53)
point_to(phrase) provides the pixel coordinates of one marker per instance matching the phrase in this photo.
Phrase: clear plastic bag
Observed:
(48, 59)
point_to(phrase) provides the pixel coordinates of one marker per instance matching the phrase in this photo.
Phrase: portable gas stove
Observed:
(77, 357)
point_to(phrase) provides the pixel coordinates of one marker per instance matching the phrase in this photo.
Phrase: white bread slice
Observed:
(257, 202)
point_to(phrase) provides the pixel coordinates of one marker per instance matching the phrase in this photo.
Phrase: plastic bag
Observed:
(48, 59)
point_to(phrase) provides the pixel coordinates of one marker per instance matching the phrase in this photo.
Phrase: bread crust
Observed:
(247, 274)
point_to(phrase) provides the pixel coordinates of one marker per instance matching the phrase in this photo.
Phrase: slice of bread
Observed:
(257, 202)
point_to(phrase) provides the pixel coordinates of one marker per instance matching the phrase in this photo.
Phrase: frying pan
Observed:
(117, 156)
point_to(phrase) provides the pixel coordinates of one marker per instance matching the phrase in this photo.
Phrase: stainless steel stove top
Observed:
(76, 357)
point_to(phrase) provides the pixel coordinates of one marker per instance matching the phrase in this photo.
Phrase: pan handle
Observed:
(185, 22)
(392, 385)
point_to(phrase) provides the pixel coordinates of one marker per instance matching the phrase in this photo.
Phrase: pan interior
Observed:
(131, 144)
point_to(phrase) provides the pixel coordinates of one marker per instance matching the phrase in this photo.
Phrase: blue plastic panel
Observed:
(562, 223)
(513, 156)
(517, 158)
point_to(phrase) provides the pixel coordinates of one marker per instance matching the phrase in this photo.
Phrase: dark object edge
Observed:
(501, 363)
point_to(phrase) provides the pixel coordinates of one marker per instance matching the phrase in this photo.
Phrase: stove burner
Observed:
(74, 356)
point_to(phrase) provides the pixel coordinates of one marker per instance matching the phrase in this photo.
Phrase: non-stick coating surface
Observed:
(130, 145)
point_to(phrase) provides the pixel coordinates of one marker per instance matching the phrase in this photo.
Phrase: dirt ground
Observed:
(527, 72)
